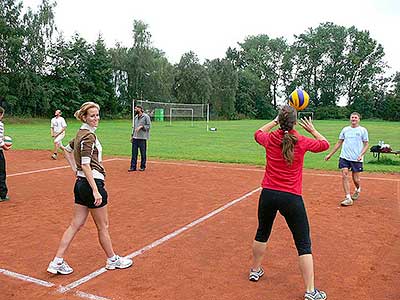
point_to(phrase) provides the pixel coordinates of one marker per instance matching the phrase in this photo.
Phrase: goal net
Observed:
(305, 114)
(170, 112)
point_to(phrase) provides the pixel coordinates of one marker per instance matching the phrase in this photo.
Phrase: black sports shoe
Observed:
(5, 198)
(131, 170)
(256, 275)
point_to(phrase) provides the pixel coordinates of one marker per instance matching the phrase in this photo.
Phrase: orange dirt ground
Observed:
(356, 249)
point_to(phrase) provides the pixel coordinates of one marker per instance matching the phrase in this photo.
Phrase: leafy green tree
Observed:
(389, 107)
(248, 90)
(224, 85)
(159, 79)
(25, 42)
(192, 83)
(262, 57)
(69, 74)
(363, 63)
(99, 76)
(119, 61)
(11, 36)
(139, 60)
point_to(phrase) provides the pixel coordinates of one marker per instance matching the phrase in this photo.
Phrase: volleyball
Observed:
(8, 141)
(299, 99)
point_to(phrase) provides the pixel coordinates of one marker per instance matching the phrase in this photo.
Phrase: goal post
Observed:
(305, 114)
(181, 112)
(170, 111)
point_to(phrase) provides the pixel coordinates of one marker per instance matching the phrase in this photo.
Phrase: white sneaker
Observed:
(347, 202)
(62, 268)
(316, 295)
(119, 263)
(256, 275)
(355, 196)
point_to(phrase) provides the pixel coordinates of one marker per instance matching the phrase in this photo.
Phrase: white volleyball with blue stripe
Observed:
(299, 99)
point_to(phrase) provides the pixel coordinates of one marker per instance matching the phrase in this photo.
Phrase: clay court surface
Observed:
(356, 249)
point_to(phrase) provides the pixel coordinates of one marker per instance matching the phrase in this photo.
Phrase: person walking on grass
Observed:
(3, 173)
(140, 135)
(57, 129)
(84, 154)
(282, 191)
(354, 142)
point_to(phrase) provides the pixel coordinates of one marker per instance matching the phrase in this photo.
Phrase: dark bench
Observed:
(377, 154)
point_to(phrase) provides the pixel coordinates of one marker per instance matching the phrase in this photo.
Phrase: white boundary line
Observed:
(47, 284)
(159, 241)
(201, 166)
(50, 169)
(258, 170)
(89, 296)
(26, 278)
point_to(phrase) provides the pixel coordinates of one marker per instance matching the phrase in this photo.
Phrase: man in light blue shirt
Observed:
(354, 142)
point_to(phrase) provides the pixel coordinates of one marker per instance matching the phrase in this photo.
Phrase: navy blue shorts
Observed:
(354, 166)
(84, 193)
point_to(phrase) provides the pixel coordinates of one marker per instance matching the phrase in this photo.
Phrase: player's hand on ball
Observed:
(97, 198)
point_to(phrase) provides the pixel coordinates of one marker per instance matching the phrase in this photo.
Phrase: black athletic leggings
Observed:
(292, 208)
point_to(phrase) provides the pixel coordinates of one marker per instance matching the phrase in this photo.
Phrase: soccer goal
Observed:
(305, 114)
(170, 112)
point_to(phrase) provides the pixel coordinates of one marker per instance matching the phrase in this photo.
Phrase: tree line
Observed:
(41, 70)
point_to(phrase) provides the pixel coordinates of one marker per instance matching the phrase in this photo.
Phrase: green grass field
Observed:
(232, 142)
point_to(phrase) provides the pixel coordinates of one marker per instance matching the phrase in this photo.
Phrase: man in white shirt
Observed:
(354, 142)
(57, 127)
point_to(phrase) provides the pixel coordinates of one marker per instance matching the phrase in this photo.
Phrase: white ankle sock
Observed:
(58, 260)
(348, 196)
(358, 190)
(113, 258)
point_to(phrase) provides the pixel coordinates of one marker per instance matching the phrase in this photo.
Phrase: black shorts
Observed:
(292, 209)
(354, 166)
(84, 194)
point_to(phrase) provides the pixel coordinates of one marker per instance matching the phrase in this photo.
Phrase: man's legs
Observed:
(356, 180)
(134, 154)
(3, 176)
(57, 144)
(346, 187)
(55, 150)
(143, 156)
(345, 181)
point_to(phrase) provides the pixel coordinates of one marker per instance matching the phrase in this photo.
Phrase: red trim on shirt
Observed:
(279, 175)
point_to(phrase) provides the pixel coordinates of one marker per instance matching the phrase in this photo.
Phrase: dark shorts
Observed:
(84, 194)
(291, 207)
(354, 166)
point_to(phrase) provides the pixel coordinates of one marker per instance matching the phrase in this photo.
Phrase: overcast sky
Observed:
(209, 27)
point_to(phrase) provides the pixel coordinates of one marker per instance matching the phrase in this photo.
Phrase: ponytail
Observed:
(287, 118)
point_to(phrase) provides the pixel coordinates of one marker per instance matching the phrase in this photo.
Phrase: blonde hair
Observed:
(80, 113)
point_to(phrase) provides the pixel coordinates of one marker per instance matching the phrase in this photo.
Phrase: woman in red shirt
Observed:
(282, 191)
